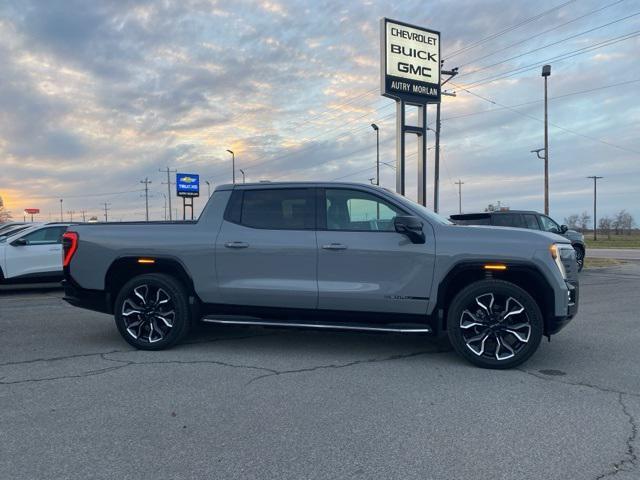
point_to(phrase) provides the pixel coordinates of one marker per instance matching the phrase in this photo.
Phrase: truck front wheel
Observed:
(152, 311)
(494, 324)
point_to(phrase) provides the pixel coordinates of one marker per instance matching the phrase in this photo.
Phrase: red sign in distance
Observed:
(31, 211)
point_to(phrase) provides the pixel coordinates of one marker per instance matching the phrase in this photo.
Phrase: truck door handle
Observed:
(334, 246)
(236, 244)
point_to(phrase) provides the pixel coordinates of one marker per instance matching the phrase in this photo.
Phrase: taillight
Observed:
(69, 247)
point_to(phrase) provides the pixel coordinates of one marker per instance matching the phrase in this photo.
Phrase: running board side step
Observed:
(254, 322)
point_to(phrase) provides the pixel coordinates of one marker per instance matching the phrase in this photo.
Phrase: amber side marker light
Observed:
(491, 266)
(146, 260)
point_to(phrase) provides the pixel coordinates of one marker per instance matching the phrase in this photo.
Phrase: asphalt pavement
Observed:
(76, 402)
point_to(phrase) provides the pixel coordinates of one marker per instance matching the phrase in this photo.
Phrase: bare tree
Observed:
(5, 215)
(572, 221)
(622, 221)
(584, 221)
(604, 224)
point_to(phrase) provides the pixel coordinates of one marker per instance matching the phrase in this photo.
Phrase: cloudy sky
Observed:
(96, 96)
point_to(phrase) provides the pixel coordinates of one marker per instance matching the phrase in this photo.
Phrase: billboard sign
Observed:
(188, 185)
(410, 62)
(31, 211)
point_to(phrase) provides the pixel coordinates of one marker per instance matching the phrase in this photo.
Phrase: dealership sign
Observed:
(31, 211)
(188, 185)
(410, 62)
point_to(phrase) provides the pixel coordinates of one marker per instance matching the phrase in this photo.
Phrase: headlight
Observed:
(558, 252)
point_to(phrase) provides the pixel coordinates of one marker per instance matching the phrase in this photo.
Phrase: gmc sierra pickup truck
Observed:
(339, 256)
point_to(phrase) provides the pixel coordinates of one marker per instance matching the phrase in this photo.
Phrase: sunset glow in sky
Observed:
(96, 96)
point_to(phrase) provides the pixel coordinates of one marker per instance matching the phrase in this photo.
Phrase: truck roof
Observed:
(269, 184)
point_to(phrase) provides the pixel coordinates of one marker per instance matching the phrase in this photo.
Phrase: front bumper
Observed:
(96, 300)
(557, 323)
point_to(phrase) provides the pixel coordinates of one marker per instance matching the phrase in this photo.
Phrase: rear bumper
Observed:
(557, 323)
(96, 300)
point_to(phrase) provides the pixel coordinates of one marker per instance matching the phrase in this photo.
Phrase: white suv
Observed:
(34, 253)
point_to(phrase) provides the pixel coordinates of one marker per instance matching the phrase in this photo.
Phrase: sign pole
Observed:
(422, 155)
(400, 146)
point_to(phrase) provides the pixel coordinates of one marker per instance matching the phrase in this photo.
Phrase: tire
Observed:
(494, 324)
(152, 311)
(579, 256)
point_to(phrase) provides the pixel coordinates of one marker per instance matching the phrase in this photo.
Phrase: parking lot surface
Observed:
(77, 402)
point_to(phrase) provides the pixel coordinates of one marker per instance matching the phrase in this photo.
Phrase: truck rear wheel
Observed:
(494, 324)
(152, 311)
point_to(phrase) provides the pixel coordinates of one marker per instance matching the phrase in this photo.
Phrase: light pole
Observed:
(595, 197)
(242, 172)
(208, 188)
(375, 127)
(61, 219)
(233, 164)
(546, 72)
(459, 183)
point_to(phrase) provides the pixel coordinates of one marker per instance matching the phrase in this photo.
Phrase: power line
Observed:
(551, 123)
(550, 44)
(556, 59)
(544, 32)
(506, 30)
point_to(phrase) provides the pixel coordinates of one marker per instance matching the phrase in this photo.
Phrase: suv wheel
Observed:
(579, 257)
(494, 324)
(152, 311)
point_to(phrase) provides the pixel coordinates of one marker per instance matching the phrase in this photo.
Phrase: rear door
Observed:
(41, 255)
(266, 251)
(363, 263)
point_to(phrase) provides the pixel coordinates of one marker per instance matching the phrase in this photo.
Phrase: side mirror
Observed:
(563, 229)
(411, 227)
(20, 242)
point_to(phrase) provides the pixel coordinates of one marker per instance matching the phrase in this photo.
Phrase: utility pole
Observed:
(377, 130)
(546, 72)
(83, 212)
(436, 160)
(146, 182)
(595, 197)
(61, 217)
(459, 183)
(106, 210)
(71, 212)
(169, 183)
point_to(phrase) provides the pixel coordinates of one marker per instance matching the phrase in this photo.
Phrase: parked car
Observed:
(326, 255)
(11, 229)
(525, 219)
(32, 254)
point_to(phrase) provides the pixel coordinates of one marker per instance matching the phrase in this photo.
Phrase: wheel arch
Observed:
(523, 274)
(127, 267)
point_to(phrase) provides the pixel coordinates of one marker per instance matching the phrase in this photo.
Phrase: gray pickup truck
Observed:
(338, 256)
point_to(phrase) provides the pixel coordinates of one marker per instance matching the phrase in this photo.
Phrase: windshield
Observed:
(434, 217)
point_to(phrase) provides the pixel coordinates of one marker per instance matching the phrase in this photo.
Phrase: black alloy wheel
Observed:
(494, 324)
(152, 312)
(579, 257)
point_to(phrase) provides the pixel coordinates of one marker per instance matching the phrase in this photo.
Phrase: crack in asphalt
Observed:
(630, 457)
(343, 365)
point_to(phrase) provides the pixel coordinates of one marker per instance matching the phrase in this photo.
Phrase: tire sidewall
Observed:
(500, 287)
(179, 298)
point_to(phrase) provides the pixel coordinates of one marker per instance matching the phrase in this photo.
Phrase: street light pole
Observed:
(377, 129)
(61, 219)
(242, 172)
(233, 164)
(595, 197)
(546, 72)
(208, 188)
(459, 183)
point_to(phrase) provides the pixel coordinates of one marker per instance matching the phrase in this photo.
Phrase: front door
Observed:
(363, 263)
(40, 256)
(266, 250)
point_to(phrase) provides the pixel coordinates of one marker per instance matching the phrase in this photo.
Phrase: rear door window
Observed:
(508, 220)
(277, 209)
(46, 236)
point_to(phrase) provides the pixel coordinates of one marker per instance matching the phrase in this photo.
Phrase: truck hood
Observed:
(505, 234)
